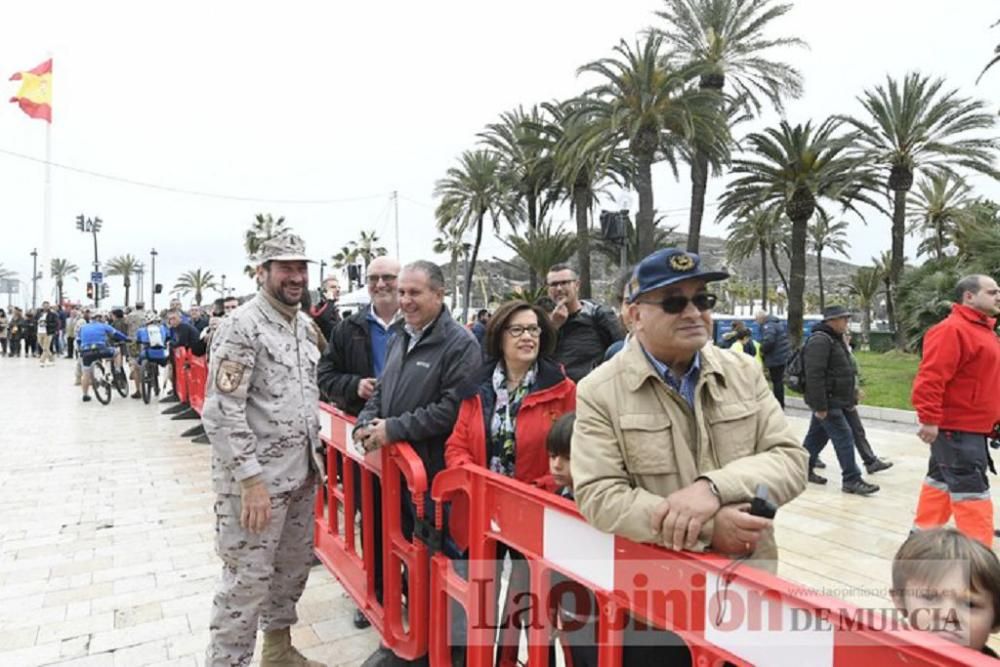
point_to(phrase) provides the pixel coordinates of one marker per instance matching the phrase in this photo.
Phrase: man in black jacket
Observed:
(47, 327)
(430, 366)
(586, 330)
(350, 367)
(184, 334)
(325, 313)
(830, 390)
(775, 349)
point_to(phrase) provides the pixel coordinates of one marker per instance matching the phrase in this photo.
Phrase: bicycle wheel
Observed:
(146, 381)
(101, 382)
(120, 381)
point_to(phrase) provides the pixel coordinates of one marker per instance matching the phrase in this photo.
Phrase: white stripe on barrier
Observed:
(762, 630)
(579, 548)
(325, 424)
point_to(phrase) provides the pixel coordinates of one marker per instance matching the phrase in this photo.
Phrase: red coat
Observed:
(539, 409)
(956, 385)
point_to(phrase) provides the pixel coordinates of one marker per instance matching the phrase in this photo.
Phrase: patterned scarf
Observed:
(504, 422)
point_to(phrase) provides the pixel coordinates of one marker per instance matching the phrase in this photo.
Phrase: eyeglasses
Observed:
(384, 277)
(517, 330)
(561, 283)
(677, 304)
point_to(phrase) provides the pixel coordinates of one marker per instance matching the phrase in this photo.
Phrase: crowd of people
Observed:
(656, 434)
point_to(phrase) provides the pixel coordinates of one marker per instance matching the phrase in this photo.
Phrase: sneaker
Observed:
(137, 395)
(86, 398)
(819, 464)
(816, 479)
(859, 487)
(360, 621)
(877, 465)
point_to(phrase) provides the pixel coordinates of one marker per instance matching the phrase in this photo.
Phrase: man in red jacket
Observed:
(957, 404)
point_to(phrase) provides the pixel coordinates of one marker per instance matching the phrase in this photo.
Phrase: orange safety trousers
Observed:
(956, 485)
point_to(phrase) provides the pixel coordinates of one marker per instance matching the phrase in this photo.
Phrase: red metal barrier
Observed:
(700, 597)
(336, 541)
(181, 369)
(197, 379)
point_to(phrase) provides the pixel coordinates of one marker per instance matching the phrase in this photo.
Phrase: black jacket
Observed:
(185, 335)
(419, 392)
(326, 316)
(584, 337)
(830, 375)
(774, 345)
(346, 361)
(51, 321)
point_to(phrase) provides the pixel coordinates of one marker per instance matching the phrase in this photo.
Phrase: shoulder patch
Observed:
(229, 376)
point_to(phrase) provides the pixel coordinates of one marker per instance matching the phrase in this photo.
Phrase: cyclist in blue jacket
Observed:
(95, 343)
(154, 339)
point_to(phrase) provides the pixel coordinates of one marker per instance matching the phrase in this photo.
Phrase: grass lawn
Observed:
(887, 378)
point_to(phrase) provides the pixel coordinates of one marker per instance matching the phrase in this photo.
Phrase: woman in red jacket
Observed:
(504, 425)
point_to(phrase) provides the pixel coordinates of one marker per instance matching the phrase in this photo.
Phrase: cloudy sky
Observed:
(339, 104)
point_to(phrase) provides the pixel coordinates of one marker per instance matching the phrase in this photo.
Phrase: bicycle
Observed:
(149, 378)
(119, 376)
(101, 381)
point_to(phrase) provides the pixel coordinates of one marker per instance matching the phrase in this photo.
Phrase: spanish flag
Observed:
(35, 96)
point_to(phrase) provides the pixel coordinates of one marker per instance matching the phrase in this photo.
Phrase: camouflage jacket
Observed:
(261, 400)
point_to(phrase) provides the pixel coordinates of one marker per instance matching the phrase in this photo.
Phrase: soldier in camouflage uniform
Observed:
(260, 415)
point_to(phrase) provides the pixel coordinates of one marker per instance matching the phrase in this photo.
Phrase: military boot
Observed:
(279, 652)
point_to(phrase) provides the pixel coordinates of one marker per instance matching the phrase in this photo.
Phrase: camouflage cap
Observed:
(283, 248)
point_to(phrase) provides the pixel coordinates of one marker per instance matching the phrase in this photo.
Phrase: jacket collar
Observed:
(433, 332)
(270, 312)
(638, 368)
(549, 374)
(973, 315)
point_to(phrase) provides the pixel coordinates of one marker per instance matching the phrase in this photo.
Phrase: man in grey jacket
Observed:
(774, 348)
(429, 368)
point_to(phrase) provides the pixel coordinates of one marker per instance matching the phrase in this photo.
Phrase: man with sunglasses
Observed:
(673, 435)
(586, 329)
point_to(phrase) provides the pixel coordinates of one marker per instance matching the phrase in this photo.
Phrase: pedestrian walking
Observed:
(872, 462)
(958, 406)
(775, 350)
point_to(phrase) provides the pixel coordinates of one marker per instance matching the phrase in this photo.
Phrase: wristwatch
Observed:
(712, 486)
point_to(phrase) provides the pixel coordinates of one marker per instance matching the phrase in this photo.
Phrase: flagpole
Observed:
(47, 211)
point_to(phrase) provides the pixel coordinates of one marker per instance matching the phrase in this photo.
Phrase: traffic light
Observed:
(90, 291)
(104, 290)
(80, 222)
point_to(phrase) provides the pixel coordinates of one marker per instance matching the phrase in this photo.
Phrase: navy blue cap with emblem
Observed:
(666, 267)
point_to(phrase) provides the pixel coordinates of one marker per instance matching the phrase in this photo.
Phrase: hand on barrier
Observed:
(736, 532)
(681, 515)
(256, 508)
(366, 387)
(371, 436)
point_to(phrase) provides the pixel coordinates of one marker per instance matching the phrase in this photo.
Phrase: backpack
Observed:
(795, 369)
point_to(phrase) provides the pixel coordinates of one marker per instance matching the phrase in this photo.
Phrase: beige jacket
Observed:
(636, 441)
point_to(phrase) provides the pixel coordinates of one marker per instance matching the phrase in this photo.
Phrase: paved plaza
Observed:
(106, 548)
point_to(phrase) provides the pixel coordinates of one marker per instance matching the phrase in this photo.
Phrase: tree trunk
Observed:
(471, 267)
(454, 280)
(699, 184)
(866, 326)
(777, 267)
(763, 277)
(581, 206)
(533, 225)
(797, 281)
(896, 268)
(197, 297)
(644, 218)
(128, 284)
(819, 276)
(890, 309)
(59, 286)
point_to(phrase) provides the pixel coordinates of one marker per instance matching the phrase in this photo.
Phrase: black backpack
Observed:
(795, 369)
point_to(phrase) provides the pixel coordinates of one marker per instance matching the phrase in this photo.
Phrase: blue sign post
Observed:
(96, 277)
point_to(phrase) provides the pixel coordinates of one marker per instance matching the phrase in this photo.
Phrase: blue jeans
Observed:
(835, 427)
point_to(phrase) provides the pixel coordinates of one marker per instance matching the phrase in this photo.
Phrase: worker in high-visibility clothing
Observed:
(740, 335)
(958, 405)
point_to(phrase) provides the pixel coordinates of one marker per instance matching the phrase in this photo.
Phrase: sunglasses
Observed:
(384, 277)
(677, 304)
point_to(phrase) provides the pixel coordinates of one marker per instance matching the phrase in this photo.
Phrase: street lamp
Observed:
(92, 226)
(322, 265)
(34, 277)
(139, 270)
(152, 279)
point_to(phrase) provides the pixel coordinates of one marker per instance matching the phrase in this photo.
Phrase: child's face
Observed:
(559, 467)
(950, 609)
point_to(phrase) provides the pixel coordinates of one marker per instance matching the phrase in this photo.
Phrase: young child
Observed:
(948, 584)
(558, 445)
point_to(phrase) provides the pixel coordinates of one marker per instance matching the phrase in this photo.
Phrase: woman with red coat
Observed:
(504, 425)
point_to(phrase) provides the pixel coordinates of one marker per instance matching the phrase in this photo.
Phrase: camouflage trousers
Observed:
(263, 574)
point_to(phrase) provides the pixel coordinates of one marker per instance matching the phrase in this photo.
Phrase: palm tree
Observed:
(365, 248)
(883, 264)
(542, 248)
(451, 243)
(865, 284)
(579, 169)
(62, 269)
(196, 281)
(726, 38)
(994, 60)
(756, 233)
(916, 125)
(795, 170)
(824, 235)
(346, 256)
(936, 209)
(469, 192)
(612, 250)
(646, 104)
(264, 228)
(124, 266)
